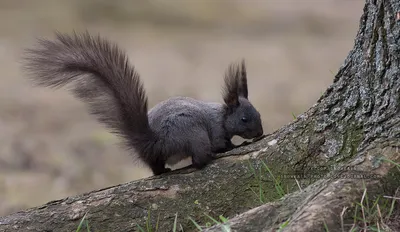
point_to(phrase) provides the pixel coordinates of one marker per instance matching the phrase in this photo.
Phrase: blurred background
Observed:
(50, 147)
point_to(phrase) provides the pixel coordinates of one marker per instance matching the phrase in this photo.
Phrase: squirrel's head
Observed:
(241, 118)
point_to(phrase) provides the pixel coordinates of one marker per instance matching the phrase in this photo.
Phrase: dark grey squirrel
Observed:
(179, 127)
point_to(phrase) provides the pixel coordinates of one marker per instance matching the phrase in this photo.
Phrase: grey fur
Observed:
(179, 127)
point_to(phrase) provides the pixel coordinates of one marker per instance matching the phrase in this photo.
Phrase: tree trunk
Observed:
(353, 125)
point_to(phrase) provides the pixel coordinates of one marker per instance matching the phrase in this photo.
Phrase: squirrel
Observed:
(179, 127)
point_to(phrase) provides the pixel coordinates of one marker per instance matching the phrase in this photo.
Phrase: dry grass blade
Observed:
(362, 209)
(341, 217)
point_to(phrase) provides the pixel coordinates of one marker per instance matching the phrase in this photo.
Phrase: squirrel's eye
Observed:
(244, 119)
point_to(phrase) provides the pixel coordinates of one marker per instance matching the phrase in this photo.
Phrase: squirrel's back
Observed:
(177, 116)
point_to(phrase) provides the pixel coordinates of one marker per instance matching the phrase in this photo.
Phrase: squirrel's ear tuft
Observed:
(242, 76)
(231, 88)
(235, 84)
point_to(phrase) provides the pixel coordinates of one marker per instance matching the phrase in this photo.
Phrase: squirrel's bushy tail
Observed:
(101, 76)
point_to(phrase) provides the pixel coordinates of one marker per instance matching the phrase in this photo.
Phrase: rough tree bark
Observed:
(354, 124)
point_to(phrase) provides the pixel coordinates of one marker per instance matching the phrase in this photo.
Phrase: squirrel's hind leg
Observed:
(201, 151)
(201, 157)
(158, 167)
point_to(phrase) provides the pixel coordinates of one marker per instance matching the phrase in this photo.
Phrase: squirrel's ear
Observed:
(231, 89)
(242, 79)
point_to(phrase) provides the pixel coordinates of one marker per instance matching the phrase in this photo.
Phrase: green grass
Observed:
(82, 223)
(374, 215)
(175, 221)
(260, 192)
(195, 224)
(326, 227)
(224, 226)
(283, 225)
(392, 162)
(149, 227)
(277, 183)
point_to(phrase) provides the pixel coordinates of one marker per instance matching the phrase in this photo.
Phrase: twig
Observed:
(298, 184)
(396, 198)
